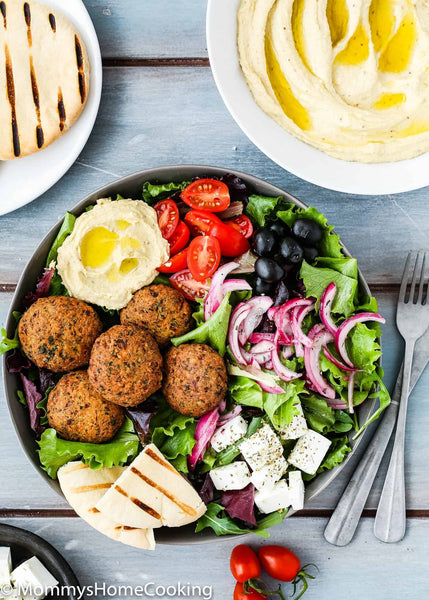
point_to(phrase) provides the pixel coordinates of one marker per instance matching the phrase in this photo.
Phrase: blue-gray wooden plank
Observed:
(365, 569)
(30, 491)
(145, 29)
(151, 117)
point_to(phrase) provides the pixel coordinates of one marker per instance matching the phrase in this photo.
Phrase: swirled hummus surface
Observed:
(113, 250)
(350, 77)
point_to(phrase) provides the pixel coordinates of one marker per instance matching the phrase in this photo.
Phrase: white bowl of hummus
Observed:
(334, 91)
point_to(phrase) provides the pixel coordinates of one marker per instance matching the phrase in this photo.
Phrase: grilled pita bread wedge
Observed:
(44, 77)
(151, 493)
(83, 487)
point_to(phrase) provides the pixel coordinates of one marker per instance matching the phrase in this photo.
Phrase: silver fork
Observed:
(412, 320)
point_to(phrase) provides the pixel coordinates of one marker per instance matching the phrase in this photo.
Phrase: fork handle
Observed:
(390, 520)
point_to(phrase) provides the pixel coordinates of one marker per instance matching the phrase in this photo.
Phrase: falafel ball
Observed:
(160, 309)
(79, 413)
(57, 333)
(195, 379)
(125, 365)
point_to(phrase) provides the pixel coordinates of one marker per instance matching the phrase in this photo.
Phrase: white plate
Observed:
(24, 179)
(291, 154)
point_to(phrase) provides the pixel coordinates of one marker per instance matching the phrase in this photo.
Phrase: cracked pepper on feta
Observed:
(228, 434)
(296, 428)
(234, 476)
(309, 451)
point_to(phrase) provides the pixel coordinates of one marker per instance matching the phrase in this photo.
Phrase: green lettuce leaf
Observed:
(173, 433)
(158, 191)
(245, 391)
(213, 332)
(322, 418)
(281, 408)
(345, 266)
(317, 279)
(222, 524)
(65, 230)
(55, 452)
(382, 394)
(259, 208)
(6, 343)
(362, 347)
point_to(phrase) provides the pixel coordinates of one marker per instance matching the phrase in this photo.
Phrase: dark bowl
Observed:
(131, 187)
(24, 544)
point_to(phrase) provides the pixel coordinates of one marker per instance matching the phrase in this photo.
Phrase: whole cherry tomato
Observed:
(279, 562)
(240, 594)
(244, 563)
(232, 242)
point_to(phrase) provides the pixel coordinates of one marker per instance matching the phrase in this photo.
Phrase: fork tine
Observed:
(422, 279)
(414, 279)
(405, 277)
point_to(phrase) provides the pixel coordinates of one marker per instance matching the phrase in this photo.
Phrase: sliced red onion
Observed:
(281, 370)
(269, 365)
(350, 390)
(311, 360)
(336, 361)
(258, 307)
(325, 308)
(236, 327)
(345, 328)
(203, 434)
(262, 347)
(253, 371)
(236, 285)
(234, 210)
(287, 352)
(229, 416)
(216, 293)
(246, 263)
(222, 406)
(257, 337)
(336, 404)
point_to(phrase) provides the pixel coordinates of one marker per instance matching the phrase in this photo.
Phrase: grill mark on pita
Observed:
(27, 16)
(39, 130)
(125, 528)
(82, 489)
(11, 97)
(3, 12)
(159, 460)
(81, 74)
(61, 110)
(185, 507)
(93, 510)
(52, 22)
(138, 503)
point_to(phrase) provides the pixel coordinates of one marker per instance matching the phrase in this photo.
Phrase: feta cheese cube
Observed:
(309, 452)
(273, 499)
(5, 565)
(32, 576)
(296, 428)
(267, 477)
(261, 448)
(231, 477)
(228, 434)
(296, 490)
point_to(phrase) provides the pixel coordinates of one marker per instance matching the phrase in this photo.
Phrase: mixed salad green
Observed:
(263, 391)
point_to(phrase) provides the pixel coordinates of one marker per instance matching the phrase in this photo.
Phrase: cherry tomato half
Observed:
(240, 594)
(232, 243)
(175, 263)
(208, 194)
(203, 257)
(168, 217)
(244, 563)
(179, 239)
(188, 286)
(279, 562)
(243, 224)
(200, 221)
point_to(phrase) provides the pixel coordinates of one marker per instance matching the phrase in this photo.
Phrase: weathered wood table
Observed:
(160, 106)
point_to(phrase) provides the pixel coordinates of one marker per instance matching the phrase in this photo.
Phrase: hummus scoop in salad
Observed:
(228, 380)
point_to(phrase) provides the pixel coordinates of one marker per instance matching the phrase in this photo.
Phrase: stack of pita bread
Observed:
(127, 503)
(44, 77)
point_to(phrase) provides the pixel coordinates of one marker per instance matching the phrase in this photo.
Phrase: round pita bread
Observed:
(44, 77)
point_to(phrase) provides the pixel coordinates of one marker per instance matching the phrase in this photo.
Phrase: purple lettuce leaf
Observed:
(42, 288)
(239, 503)
(33, 397)
(207, 490)
(46, 380)
(17, 362)
(141, 415)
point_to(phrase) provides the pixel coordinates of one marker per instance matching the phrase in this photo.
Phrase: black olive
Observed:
(310, 254)
(264, 241)
(281, 294)
(280, 229)
(262, 287)
(290, 251)
(307, 232)
(268, 270)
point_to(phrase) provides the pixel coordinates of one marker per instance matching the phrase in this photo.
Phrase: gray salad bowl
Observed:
(131, 187)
